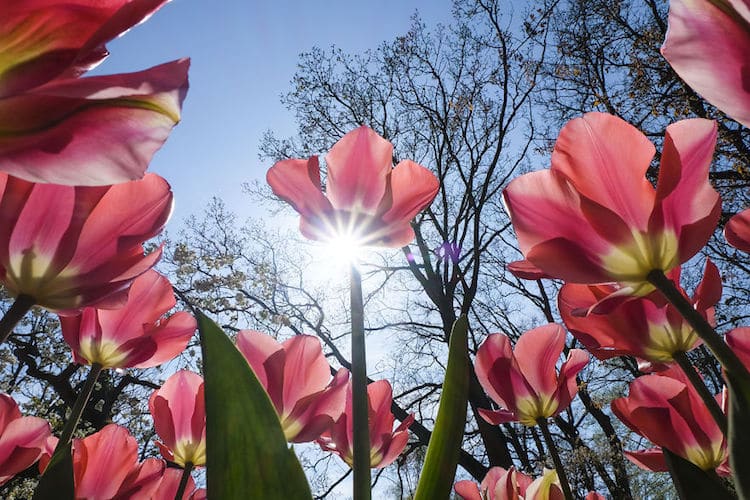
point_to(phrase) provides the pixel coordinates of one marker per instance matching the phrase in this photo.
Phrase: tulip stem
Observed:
(700, 386)
(552, 448)
(78, 407)
(705, 331)
(12, 316)
(360, 405)
(183, 481)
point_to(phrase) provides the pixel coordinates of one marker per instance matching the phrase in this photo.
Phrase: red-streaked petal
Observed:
(708, 46)
(358, 165)
(686, 203)
(103, 460)
(526, 270)
(91, 131)
(380, 396)
(127, 215)
(149, 297)
(494, 375)
(266, 357)
(171, 338)
(651, 459)
(537, 352)
(567, 387)
(553, 233)
(44, 39)
(497, 417)
(298, 183)
(306, 370)
(737, 231)
(708, 292)
(173, 407)
(606, 159)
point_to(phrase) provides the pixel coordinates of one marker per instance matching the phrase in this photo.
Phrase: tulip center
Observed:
(665, 339)
(106, 353)
(708, 458)
(530, 409)
(187, 450)
(30, 273)
(631, 262)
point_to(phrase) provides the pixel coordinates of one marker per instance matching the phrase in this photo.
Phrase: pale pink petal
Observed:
(358, 165)
(737, 231)
(298, 183)
(92, 131)
(708, 47)
(410, 188)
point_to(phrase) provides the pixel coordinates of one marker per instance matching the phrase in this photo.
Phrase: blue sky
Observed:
(244, 54)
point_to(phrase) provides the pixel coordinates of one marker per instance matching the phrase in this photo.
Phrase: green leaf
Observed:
(247, 454)
(739, 432)
(439, 470)
(691, 482)
(57, 480)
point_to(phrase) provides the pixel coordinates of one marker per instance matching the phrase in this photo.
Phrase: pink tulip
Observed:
(593, 217)
(179, 412)
(501, 484)
(80, 131)
(22, 439)
(707, 44)
(524, 381)
(297, 378)
(170, 481)
(739, 340)
(366, 200)
(645, 327)
(136, 335)
(737, 231)
(386, 443)
(666, 409)
(70, 247)
(105, 465)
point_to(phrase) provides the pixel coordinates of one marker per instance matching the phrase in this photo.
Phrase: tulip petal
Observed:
(707, 45)
(91, 131)
(358, 165)
(686, 203)
(298, 183)
(608, 172)
(737, 231)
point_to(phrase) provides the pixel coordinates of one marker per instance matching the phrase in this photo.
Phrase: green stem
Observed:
(183, 481)
(705, 331)
(700, 386)
(17, 311)
(360, 404)
(542, 422)
(78, 407)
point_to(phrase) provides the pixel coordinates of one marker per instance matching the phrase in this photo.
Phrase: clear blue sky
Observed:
(244, 54)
